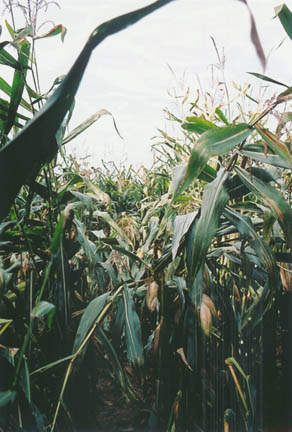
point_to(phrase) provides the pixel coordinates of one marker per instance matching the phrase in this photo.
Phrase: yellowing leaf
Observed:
(55, 31)
(275, 144)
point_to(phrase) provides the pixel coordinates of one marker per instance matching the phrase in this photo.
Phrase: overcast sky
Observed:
(134, 73)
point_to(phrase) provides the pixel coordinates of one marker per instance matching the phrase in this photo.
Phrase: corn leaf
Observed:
(181, 226)
(266, 78)
(215, 198)
(88, 319)
(272, 198)
(22, 158)
(54, 32)
(132, 331)
(7, 89)
(268, 158)
(246, 228)
(17, 85)
(8, 60)
(124, 239)
(285, 16)
(84, 125)
(198, 125)
(275, 144)
(214, 142)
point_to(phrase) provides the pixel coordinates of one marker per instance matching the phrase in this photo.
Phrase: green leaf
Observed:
(272, 198)
(215, 198)
(266, 78)
(4, 323)
(266, 158)
(6, 397)
(181, 226)
(55, 244)
(285, 16)
(221, 115)
(198, 124)
(7, 89)
(97, 193)
(153, 230)
(125, 241)
(246, 228)
(17, 85)
(42, 309)
(84, 199)
(35, 145)
(8, 60)
(274, 144)
(132, 331)
(211, 143)
(53, 364)
(88, 319)
(232, 361)
(25, 380)
(87, 245)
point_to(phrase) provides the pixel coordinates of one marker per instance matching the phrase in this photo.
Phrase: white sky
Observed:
(129, 74)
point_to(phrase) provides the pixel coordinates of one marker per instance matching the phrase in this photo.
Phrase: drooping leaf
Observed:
(86, 124)
(97, 193)
(255, 37)
(54, 32)
(124, 239)
(275, 144)
(215, 198)
(272, 198)
(88, 319)
(153, 230)
(211, 143)
(268, 158)
(246, 228)
(42, 309)
(181, 226)
(22, 158)
(231, 361)
(132, 331)
(88, 246)
(83, 198)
